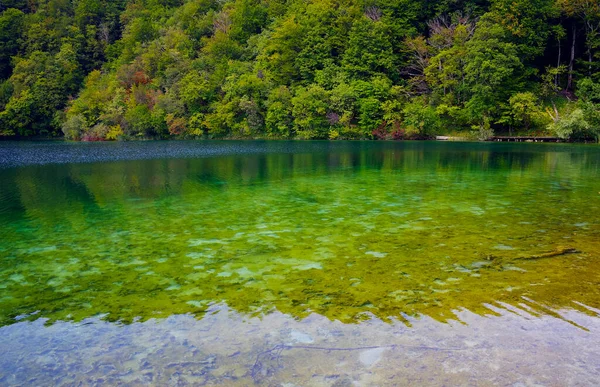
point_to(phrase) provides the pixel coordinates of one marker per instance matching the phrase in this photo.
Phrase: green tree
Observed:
(279, 119)
(493, 70)
(42, 85)
(523, 111)
(309, 108)
(589, 14)
(527, 23)
(446, 73)
(369, 50)
(588, 92)
(572, 126)
(421, 118)
(11, 28)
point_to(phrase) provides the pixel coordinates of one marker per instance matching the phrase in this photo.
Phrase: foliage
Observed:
(583, 122)
(11, 26)
(523, 111)
(421, 118)
(484, 131)
(493, 70)
(322, 69)
(571, 125)
(589, 94)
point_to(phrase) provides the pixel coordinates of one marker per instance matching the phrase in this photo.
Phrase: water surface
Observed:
(468, 257)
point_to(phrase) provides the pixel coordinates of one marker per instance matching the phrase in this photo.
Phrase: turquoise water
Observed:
(427, 239)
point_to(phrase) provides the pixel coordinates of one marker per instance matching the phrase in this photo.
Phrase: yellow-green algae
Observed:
(391, 232)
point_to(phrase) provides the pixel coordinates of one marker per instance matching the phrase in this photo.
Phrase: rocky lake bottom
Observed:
(299, 263)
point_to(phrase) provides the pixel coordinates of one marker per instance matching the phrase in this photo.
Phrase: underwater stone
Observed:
(309, 266)
(371, 357)
(376, 254)
(299, 337)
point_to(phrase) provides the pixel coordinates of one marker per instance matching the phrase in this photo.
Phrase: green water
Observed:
(351, 233)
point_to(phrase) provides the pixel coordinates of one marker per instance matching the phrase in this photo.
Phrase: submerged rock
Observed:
(371, 357)
(302, 338)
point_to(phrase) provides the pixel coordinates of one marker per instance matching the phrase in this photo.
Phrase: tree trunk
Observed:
(589, 33)
(571, 63)
(440, 70)
(557, 76)
(590, 61)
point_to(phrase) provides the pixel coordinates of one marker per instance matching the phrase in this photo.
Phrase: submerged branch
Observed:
(556, 253)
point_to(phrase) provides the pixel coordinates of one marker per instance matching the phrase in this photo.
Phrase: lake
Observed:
(299, 263)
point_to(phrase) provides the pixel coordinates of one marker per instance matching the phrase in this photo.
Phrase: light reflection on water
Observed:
(413, 255)
(228, 348)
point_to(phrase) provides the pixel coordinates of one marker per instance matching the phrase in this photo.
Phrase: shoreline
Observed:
(439, 138)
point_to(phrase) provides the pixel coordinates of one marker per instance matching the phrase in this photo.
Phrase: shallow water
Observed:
(306, 263)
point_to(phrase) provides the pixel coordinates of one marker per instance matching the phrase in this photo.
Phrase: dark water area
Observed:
(22, 153)
(299, 263)
(16, 154)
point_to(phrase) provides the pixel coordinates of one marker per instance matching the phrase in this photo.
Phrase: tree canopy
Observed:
(316, 69)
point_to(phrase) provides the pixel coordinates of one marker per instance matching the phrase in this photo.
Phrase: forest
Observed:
(97, 70)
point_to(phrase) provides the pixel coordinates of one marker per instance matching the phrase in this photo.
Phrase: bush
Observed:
(380, 134)
(399, 135)
(572, 126)
(421, 118)
(74, 127)
(484, 131)
(115, 132)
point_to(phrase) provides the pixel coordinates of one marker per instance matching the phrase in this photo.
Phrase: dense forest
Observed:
(307, 69)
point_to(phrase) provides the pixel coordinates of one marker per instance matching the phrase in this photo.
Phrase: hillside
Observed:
(319, 69)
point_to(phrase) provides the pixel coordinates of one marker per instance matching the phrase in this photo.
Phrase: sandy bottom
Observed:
(225, 348)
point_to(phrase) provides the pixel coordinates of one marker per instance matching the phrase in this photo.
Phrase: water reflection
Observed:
(228, 348)
(348, 232)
